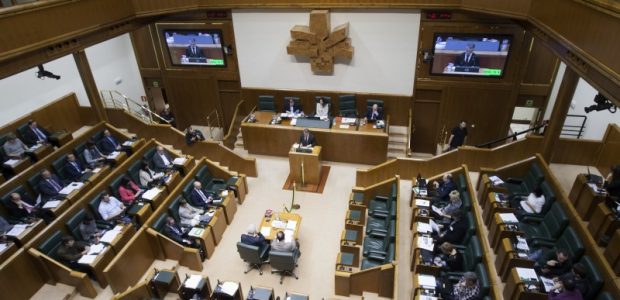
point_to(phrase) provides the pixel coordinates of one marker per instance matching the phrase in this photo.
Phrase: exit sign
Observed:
(529, 102)
(439, 15)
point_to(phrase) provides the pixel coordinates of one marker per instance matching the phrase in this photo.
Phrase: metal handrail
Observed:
(512, 136)
(570, 129)
(237, 114)
(127, 100)
(217, 121)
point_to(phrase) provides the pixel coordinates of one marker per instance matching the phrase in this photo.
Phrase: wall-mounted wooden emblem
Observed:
(317, 42)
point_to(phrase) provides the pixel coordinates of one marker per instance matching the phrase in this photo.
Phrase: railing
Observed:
(409, 132)
(574, 130)
(233, 130)
(217, 123)
(512, 136)
(116, 99)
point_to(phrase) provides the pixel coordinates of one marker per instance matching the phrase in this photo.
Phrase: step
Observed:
(395, 149)
(402, 139)
(398, 129)
(399, 143)
(57, 291)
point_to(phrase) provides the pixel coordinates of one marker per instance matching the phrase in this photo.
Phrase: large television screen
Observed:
(195, 47)
(470, 54)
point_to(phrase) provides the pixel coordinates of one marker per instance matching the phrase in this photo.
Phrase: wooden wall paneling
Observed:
(191, 99)
(20, 277)
(515, 8)
(144, 47)
(541, 65)
(577, 152)
(427, 126)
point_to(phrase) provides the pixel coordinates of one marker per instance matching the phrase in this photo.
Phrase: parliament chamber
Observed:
(334, 149)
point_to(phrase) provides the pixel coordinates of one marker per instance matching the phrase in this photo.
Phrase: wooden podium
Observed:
(305, 167)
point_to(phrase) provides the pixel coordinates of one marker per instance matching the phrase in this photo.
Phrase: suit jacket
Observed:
(160, 166)
(71, 172)
(48, 190)
(128, 195)
(257, 241)
(443, 192)
(378, 117)
(31, 138)
(197, 53)
(197, 201)
(311, 140)
(16, 212)
(107, 145)
(69, 254)
(90, 156)
(454, 232)
(474, 61)
(296, 108)
(174, 232)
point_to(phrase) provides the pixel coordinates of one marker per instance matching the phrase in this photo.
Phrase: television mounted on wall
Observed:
(195, 47)
(479, 55)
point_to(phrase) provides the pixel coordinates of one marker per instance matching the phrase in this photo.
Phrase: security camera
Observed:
(602, 103)
(43, 73)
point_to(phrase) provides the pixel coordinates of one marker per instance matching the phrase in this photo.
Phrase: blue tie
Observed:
(56, 186)
(39, 134)
(112, 141)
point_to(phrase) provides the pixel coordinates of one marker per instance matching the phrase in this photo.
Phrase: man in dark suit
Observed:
(199, 197)
(109, 143)
(74, 170)
(292, 107)
(253, 237)
(307, 139)
(176, 233)
(374, 113)
(193, 51)
(49, 185)
(34, 134)
(25, 209)
(454, 232)
(468, 58)
(443, 188)
(161, 160)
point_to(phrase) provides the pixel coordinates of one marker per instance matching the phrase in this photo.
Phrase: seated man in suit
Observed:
(35, 135)
(374, 113)
(109, 143)
(74, 171)
(49, 185)
(292, 107)
(176, 233)
(193, 135)
(468, 58)
(200, 197)
(14, 147)
(167, 115)
(280, 244)
(453, 232)
(444, 187)
(554, 263)
(253, 237)
(161, 160)
(93, 157)
(111, 209)
(307, 139)
(25, 209)
(70, 252)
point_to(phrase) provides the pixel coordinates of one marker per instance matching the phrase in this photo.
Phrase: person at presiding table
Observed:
(93, 157)
(564, 289)
(73, 169)
(466, 289)
(452, 232)
(35, 135)
(148, 177)
(322, 109)
(161, 160)
(177, 234)
(374, 113)
(280, 244)
(307, 139)
(129, 191)
(193, 135)
(448, 258)
(533, 204)
(292, 108)
(50, 185)
(89, 231)
(253, 237)
(111, 209)
(555, 263)
(109, 143)
(200, 197)
(27, 209)
(444, 187)
(14, 147)
(453, 206)
(191, 216)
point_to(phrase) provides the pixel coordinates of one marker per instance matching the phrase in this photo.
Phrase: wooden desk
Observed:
(515, 289)
(203, 289)
(341, 145)
(230, 206)
(185, 166)
(418, 266)
(206, 240)
(157, 199)
(492, 206)
(499, 231)
(9, 250)
(305, 167)
(603, 222)
(143, 212)
(121, 239)
(32, 230)
(61, 137)
(284, 217)
(612, 252)
(218, 225)
(508, 258)
(40, 152)
(103, 259)
(173, 181)
(19, 166)
(584, 198)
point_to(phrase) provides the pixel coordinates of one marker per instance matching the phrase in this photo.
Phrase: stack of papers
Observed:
(17, 229)
(522, 244)
(96, 170)
(87, 259)
(179, 161)
(426, 243)
(51, 204)
(496, 180)
(113, 155)
(11, 162)
(348, 120)
(3, 246)
(508, 218)
(424, 227)
(96, 249)
(71, 187)
(230, 288)
(193, 281)
(127, 143)
(427, 281)
(293, 122)
(109, 236)
(424, 297)
(151, 194)
(422, 202)
(527, 274)
(265, 230)
(291, 225)
(278, 224)
(288, 235)
(196, 232)
(35, 147)
(344, 126)
(437, 210)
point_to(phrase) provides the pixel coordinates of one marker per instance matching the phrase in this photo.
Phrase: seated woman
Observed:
(191, 216)
(148, 177)
(449, 210)
(466, 289)
(14, 147)
(449, 258)
(129, 191)
(322, 109)
(533, 204)
(89, 231)
(565, 288)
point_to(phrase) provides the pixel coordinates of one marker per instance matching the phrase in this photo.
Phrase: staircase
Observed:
(397, 142)
(55, 291)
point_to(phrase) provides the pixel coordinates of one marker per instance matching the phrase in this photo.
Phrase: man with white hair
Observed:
(161, 160)
(253, 237)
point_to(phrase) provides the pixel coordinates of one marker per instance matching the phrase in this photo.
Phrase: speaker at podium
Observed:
(305, 164)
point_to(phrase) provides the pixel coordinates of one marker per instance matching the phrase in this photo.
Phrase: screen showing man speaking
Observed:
(195, 47)
(470, 55)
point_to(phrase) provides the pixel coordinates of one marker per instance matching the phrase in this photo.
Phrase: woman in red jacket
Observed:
(129, 191)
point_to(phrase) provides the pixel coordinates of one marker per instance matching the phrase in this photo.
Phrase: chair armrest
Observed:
(380, 214)
(514, 180)
(543, 243)
(377, 253)
(232, 180)
(379, 233)
(376, 256)
(454, 276)
(218, 180)
(531, 218)
(264, 250)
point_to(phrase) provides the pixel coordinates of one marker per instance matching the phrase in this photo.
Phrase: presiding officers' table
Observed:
(353, 144)
(280, 221)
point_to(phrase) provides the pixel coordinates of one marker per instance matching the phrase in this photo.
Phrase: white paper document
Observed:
(193, 281)
(508, 218)
(348, 120)
(424, 227)
(127, 143)
(151, 194)
(437, 210)
(87, 259)
(17, 229)
(3, 246)
(11, 162)
(96, 249)
(345, 126)
(96, 170)
(293, 122)
(422, 202)
(291, 225)
(229, 288)
(426, 243)
(434, 225)
(527, 274)
(278, 224)
(179, 161)
(35, 147)
(496, 180)
(51, 204)
(196, 232)
(113, 155)
(71, 187)
(547, 283)
(109, 236)
(522, 244)
(425, 297)
(265, 230)
(288, 235)
(427, 281)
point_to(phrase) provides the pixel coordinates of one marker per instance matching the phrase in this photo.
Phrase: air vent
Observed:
(540, 34)
(120, 27)
(64, 47)
(576, 61)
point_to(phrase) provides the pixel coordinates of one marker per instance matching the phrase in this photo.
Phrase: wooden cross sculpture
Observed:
(316, 42)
